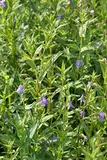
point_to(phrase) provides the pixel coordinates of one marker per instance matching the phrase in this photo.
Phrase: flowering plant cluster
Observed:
(53, 80)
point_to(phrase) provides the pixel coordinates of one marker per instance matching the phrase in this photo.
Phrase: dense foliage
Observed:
(53, 79)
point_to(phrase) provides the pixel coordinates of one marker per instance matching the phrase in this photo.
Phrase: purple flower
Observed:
(89, 84)
(92, 12)
(6, 120)
(79, 63)
(59, 16)
(46, 142)
(54, 138)
(85, 137)
(101, 116)
(82, 98)
(20, 89)
(51, 140)
(44, 101)
(2, 3)
(71, 105)
(82, 113)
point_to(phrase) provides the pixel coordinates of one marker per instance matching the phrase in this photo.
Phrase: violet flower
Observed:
(59, 16)
(2, 3)
(46, 142)
(82, 99)
(54, 138)
(6, 120)
(51, 140)
(79, 63)
(89, 84)
(20, 89)
(82, 113)
(85, 137)
(71, 105)
(44, 101)
(101, 116)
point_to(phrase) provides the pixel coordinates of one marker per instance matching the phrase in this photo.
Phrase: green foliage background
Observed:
(39, 50)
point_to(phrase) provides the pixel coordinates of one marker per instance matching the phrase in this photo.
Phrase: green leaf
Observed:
(33, 130)
(27, 107)
(95, 152)
(82, 30)
(46, 118)
(62, 25)
(46, 66)
(87, 48)
(1, 101)
(29, 60)
(87, 154)
(72, 4)
(38, 50)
